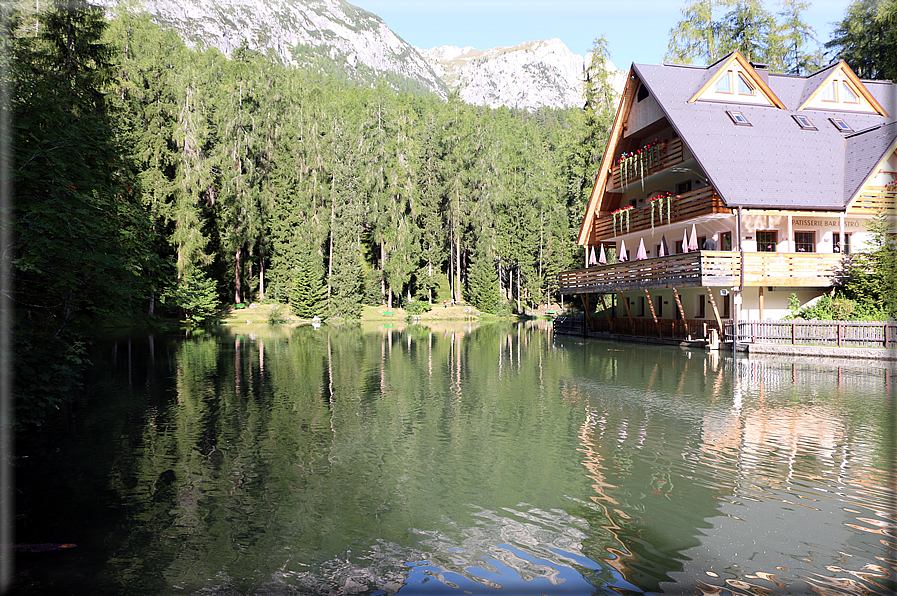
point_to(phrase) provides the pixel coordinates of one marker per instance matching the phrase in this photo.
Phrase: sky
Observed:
(636, 30)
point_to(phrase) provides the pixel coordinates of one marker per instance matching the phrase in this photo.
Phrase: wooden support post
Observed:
(585, 308)
(653, 313)
(628, 313)
(761, 303)
(681, 310)
(719, 321)
(610, 321)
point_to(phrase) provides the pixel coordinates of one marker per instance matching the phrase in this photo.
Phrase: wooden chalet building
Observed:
(781, 173)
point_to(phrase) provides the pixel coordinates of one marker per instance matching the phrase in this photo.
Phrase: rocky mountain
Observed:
(329, 35)
(339, 38)
(528, 75)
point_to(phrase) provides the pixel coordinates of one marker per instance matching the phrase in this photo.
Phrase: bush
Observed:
(417, 307)
(196, 294)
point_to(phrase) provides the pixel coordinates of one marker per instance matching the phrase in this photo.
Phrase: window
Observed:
(830, 92)
(678, 247)
(841, 125)
(804, 122)
(726, 312)
(641, 306)
(838, 246)
(724, 84)
(805, 241)
(738, 118)
(725, 241)
(642, 93)
(767, 240)
(702, 306)
(659, 306)
(744, 88)
(848, 95)
(683, 187)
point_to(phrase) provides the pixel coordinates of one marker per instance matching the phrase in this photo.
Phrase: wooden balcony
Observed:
(875, 199)
(669, 154)
(707, 269)
(695, 203)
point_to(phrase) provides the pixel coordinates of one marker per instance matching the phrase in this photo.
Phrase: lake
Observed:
(461, 459)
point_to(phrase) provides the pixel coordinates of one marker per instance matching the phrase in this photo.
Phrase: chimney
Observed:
(762, 70)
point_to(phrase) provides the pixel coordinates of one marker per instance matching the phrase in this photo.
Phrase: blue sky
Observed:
(636, 30)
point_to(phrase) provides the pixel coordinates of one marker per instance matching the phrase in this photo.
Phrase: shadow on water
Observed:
(460, 459)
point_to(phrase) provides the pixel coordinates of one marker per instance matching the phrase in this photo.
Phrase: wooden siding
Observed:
(695, 203)
(670, 155)
(874, 199)
(707, 268)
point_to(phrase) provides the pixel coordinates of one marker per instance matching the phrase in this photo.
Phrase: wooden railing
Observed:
(701, 201)
(669, 154)
(875, 199)
(707, 268)
(854, 334)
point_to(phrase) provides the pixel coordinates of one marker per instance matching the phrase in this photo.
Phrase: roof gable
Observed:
(842, 90)
(871, 162)
(736, 81)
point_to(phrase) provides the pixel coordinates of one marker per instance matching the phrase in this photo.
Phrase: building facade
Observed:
(726, 189)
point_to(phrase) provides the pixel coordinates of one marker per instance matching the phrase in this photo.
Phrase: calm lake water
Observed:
(499, 459)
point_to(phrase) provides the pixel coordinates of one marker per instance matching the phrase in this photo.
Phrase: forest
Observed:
(153, 180)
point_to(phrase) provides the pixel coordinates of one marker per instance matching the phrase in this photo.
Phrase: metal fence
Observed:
(846, 334)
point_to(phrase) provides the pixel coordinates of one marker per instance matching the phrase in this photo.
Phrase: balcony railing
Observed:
(669, 153)
(701, 201)
(875, 199)
(707, 269)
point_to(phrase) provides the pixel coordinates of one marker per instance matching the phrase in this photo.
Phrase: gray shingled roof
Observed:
(773, 163)
(864, 150)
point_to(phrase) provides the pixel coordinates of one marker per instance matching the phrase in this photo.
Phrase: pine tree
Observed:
(482, 286)
(867, 39)
(81, 235)
(796, 35)
(308, 293)
(695, 36)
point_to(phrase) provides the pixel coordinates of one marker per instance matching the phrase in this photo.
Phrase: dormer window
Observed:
(724, 84)
(848, 95)
(830, 92)
(744, 87)
(841, 125)
(804, 122)
(738, 118)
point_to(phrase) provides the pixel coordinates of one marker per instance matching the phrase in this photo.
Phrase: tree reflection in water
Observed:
(437, 460)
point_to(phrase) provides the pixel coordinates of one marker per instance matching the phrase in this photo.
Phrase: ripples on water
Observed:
(467, 461)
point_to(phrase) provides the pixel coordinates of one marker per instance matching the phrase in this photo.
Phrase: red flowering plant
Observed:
(640, 162)
(622, 212)
(657, 202)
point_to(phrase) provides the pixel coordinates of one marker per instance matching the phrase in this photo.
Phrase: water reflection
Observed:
(466, 459)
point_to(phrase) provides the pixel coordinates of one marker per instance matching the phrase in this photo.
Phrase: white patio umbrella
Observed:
(664, 251)
(622, 255)
(642, 254)
(592, 259)
(693, 243)
(685, 240)
(602, 258)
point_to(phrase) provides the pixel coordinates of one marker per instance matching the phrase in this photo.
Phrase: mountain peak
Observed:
(336, 37)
